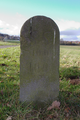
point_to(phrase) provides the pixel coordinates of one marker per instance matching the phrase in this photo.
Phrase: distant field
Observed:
(69, 56)
(10, 42)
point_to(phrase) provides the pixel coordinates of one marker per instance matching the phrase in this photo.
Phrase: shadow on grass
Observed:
(69, 72)
(69, 99)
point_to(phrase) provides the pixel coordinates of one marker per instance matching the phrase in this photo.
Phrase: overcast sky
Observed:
(66, 13)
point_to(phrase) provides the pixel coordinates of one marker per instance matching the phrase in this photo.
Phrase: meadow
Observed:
(10, 42)
(69, 93)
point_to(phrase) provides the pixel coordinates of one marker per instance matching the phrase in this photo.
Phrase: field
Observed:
(10, 42)
(69, 93)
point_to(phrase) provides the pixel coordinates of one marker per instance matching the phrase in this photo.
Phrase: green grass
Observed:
(12, 42)
(69, 61)
(69, 95)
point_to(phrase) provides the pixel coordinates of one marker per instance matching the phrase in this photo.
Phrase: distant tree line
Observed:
(62, 42)
(8, 37)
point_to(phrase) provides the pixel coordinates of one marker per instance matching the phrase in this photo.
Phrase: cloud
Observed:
(70, 34)
(12, 24)
(69, 30)
(70, 38)
(8, 28)
(67, 24)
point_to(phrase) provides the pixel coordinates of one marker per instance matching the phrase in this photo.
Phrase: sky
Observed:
(66, 14)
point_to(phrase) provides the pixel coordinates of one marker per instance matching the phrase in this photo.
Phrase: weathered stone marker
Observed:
(39, 60)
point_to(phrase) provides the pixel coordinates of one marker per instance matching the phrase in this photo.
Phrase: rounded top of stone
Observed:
(39, 29)
(39, 18)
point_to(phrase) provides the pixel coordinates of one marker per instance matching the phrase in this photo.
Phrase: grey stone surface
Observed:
(39, 60)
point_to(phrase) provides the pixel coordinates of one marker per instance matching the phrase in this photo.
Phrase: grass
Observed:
(12, 42)
(69, 94)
